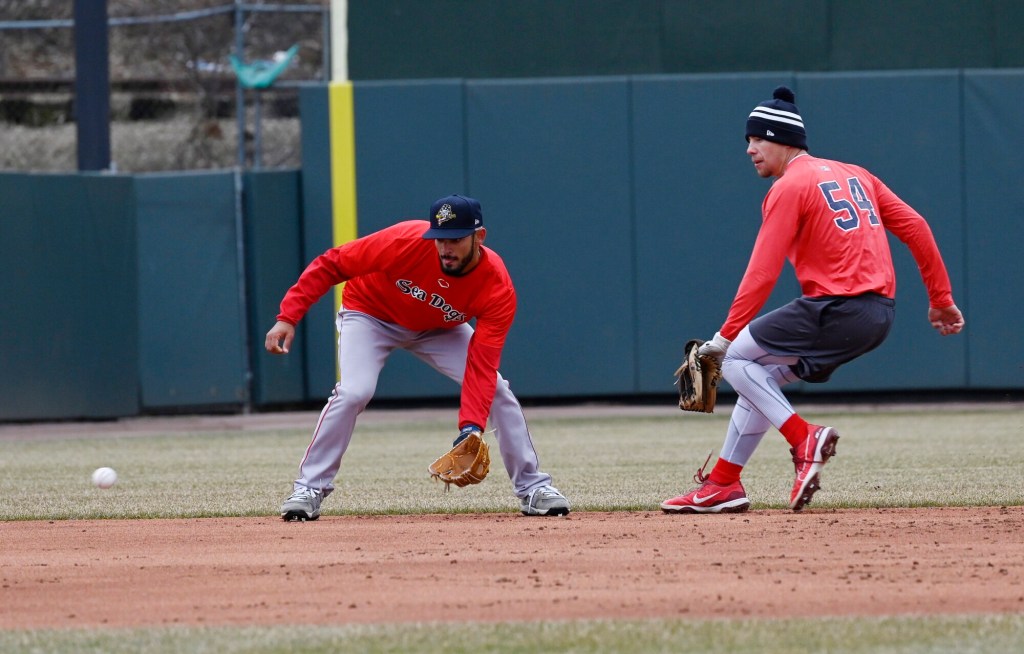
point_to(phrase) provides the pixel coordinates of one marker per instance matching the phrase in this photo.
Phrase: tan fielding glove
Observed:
(697, 379)
(468, 462)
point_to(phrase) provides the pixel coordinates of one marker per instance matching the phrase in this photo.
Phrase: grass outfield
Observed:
(918, 456)
(955, 635)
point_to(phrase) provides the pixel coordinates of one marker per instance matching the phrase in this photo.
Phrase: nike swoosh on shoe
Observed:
(701, 500)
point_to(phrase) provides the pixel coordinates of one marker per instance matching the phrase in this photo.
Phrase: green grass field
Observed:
(909, 457)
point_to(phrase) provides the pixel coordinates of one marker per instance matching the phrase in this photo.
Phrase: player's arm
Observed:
(318, 278)
(362, 256)
(764, 267)
(483, 358)
(333, 267)
(478, 383)
(912, 229)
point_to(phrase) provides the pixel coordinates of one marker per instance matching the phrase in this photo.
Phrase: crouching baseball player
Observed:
(416, 285)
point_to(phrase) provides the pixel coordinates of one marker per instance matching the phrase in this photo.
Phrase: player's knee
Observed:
(353, 396)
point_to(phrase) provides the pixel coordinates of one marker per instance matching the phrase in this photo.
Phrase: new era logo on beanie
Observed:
(454, 216)
(778, 120)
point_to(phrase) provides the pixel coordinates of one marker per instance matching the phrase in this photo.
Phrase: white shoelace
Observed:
(304, 493)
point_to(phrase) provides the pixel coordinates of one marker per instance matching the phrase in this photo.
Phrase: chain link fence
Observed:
(175, 98)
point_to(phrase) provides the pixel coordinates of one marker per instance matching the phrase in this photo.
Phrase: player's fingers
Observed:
(954, 322)
(949, 328)
(272, 343)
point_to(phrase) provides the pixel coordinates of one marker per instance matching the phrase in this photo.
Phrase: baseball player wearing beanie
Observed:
(829, 219)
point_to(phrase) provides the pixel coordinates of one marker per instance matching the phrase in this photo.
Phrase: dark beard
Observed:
(460, 268)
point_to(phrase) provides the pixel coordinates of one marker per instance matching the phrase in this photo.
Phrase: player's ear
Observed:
(481, 234)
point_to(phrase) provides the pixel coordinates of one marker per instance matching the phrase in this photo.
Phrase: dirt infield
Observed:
(384, 569)
(496, 567)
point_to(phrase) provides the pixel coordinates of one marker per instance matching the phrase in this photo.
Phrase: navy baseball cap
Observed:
(455, 216)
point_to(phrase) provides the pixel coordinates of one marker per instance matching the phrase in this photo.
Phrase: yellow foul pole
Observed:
(342, 135)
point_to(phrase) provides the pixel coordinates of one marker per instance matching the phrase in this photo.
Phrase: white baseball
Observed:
(104, 477)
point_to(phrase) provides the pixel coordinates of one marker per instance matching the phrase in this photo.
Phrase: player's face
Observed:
(458, 255)
(769, 158)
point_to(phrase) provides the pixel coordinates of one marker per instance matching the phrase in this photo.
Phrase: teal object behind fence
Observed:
(261, 73)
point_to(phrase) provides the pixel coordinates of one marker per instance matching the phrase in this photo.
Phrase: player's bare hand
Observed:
(947, 321)
(280, 337)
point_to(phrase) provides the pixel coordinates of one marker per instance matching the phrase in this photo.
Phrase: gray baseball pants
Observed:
(364, 344)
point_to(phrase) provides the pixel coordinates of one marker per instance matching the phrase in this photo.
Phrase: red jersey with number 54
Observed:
(830, 219)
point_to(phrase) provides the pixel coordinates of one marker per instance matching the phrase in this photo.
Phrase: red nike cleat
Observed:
(809, 458)
(709, 497)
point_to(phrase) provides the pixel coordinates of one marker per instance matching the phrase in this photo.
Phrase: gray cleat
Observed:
(304, 504)
(544, 500)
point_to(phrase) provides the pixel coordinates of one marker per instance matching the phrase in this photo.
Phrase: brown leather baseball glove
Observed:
(697, 379)
(466, 463)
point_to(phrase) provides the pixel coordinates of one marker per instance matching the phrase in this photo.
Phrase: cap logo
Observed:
(445, 214)
(768, 132)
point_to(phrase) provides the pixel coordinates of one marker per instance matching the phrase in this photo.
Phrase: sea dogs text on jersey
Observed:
(451, 314)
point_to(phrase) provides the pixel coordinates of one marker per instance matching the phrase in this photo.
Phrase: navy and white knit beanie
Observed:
(778, 120)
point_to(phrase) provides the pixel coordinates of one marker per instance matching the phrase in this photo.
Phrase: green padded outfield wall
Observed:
(315, 335)
(122, 294)
(410, 150)
(429, 39)
(550, 162)
(918, 152)
(191, 325)
(68, 286)
(510, 144)
(272, 206)
(194, 322)
(994, 227)
(592, 187)
(694, 191)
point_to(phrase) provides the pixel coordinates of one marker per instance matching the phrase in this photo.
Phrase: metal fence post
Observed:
(239, 91)
(92, 84)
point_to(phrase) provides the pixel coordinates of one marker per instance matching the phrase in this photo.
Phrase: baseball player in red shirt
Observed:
(829, 219)
(415, 286)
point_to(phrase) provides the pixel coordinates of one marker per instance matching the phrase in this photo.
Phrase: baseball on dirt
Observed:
(104, 477)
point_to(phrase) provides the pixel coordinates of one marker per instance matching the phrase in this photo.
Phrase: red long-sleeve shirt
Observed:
(394, 275)
(830, 220)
